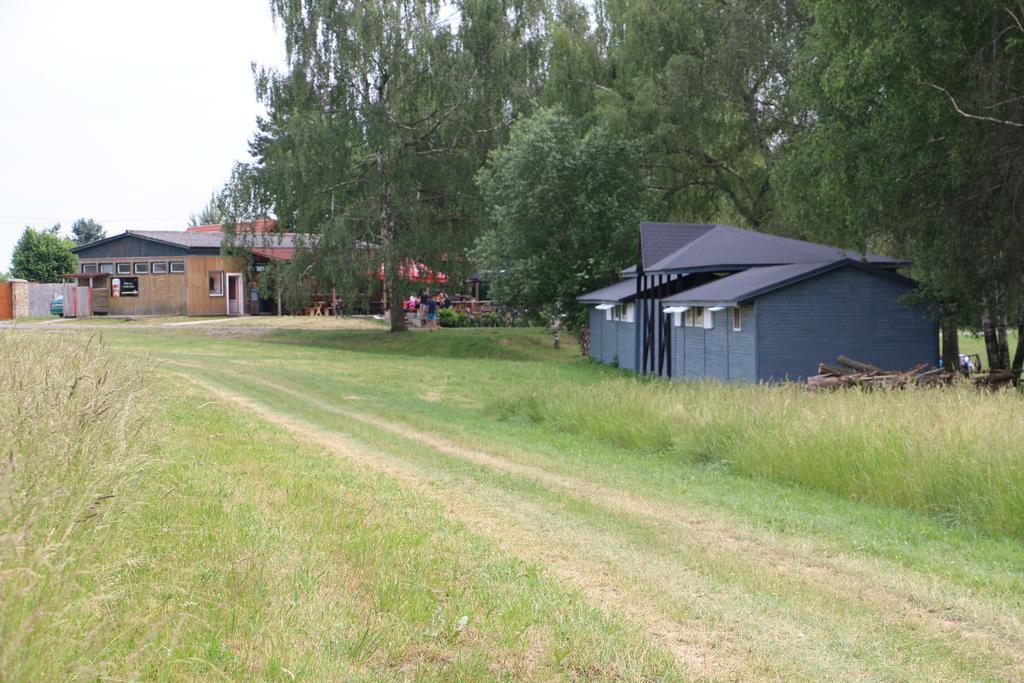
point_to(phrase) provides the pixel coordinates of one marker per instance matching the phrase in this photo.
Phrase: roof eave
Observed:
(700, 302)
(605, 300)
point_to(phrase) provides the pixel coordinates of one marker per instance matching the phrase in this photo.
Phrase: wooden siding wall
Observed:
(719, 353)
(162, 294)
(169, 293)
(847, 311)
(6, 301)
(597, 334)
(158, 295)
(197, 270)
(613, 340)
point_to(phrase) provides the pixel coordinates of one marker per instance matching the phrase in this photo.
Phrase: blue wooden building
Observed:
(718, 302)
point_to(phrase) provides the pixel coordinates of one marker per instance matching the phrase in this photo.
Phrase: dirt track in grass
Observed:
(711, 629)
(591, 580)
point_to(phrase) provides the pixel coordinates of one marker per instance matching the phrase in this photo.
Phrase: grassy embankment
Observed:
(156, 534)
(300, 505)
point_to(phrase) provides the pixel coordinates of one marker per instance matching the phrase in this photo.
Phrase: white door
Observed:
(234, 293)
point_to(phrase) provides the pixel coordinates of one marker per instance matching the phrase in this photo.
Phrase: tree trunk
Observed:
(991, 341)
(950, 346)
(387, 243)
(1004, 343)
(397, 314)
(584, 335)
(1018, 356)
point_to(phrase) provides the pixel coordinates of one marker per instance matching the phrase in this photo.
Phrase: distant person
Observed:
(421, 309)
(432, 313)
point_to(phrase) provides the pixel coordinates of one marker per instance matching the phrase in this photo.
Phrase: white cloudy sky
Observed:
(130, 112)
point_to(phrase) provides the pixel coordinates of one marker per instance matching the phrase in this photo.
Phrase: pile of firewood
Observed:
(994, 379)
(848, 372)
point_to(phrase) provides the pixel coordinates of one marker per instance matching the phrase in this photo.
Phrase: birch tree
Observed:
(374, 132)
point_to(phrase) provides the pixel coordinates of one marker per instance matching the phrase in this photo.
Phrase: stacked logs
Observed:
(848, 372)
(995, 379)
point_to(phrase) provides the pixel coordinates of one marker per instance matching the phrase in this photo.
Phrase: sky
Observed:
(131, 113)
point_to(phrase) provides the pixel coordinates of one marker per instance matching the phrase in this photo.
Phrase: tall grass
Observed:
(956, 453)
(71, 421)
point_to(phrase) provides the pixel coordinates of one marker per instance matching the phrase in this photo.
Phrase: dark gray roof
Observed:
(751, 283)
(622, 291)
(180, 238)
(202, 240)
(724, 247)
(658, 240)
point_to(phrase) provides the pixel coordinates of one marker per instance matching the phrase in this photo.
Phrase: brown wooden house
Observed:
(165, 272)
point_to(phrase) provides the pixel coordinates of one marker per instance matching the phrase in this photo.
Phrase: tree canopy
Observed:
(375, 131)
(211, 214)
(42, 255)
(85, 230)
(891, 126)
(889, 154)
(559, 202)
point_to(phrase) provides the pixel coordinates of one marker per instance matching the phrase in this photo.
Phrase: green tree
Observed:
(211, 214)
(373, 135)
(85, 230)
(564, 209)
(700, 87)
(42, 255)
(893, 156)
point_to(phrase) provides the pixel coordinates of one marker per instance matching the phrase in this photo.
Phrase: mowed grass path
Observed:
(620, 563)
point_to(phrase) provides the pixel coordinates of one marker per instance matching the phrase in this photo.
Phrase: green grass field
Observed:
(328, 503)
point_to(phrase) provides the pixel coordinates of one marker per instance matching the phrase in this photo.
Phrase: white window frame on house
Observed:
(107, 268)
(142, 267)
(737, 319)
(629, 312)
(688, 317)
(219, 289)
(124, 269)
(709, 319)
(89, 268)
(158, 267)
(698, 316)
(709, 316)
(177, 266)
(677, 314)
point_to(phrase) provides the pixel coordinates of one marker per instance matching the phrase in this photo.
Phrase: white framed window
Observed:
(698, 316)
(107, 268)
(142, 268)
(689, 317)
(88, 267)
(216, 278)
(177, 266)
(677, 319)
(159, 267)
(709, 319)
(737, 320)
(629, 313)
(124, 269)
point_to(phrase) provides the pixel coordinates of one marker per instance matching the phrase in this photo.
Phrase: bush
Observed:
(491, 319)
(449, 317)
